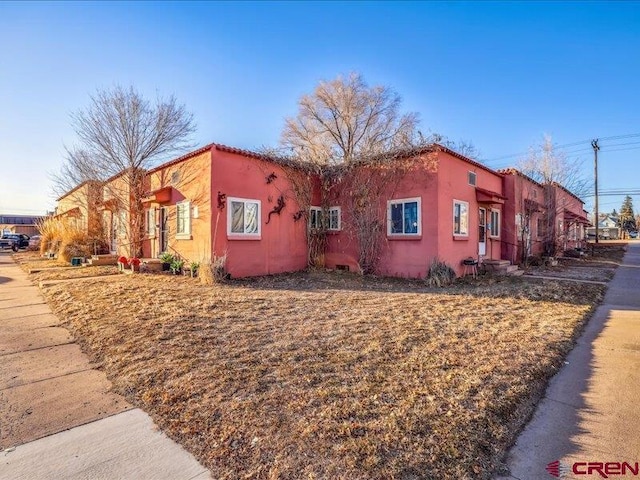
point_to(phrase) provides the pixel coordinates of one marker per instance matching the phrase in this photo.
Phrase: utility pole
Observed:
(596, 147)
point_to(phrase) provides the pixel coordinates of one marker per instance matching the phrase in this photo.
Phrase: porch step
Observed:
(502, 267)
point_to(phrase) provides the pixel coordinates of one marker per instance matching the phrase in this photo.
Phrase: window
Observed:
(460, 218)
(315, 218)
(494, 227)
(403, 217)
(183, 219)
(472, 178)
(121, 223)
(334, 218)
(150, 221)
(540, 229)
(243, 217)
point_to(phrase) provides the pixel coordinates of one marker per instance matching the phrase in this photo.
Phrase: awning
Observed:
(161, 195)
(72, 213)
(487, 196)
(575, 217)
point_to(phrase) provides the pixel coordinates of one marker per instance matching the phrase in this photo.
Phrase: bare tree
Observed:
(547, 165)
(345, 119)
(123, 134)
(551, 167)
(362, 146)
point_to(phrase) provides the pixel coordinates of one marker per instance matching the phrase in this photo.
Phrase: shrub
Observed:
(440, 274)
(534, 260)
(572, 253)
(61, 238)
(214, 271)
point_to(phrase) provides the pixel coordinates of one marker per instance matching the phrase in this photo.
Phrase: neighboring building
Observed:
(570, 218)
(524, 224)
(608, 227)
(26, 224)
(220, 200)
(79, 206)
(450, 211)
(540, 219)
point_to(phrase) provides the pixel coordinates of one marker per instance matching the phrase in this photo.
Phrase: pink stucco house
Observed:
(450, 209)
(218, 201)
(268, 215)
(539, 219)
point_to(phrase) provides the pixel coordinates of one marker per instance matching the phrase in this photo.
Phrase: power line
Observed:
(567, 145)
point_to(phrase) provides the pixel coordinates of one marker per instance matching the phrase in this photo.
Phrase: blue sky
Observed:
(498, 74)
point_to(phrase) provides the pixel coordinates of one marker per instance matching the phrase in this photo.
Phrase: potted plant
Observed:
(167, 260)
(176, 266)
(193, 267)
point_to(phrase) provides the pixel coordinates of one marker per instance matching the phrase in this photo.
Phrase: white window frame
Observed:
(461, 233)
(150, 221)
(473, 175)
(330, 224)
(255, 235)
(398, 201)
(186, 232)
(494, 228)
(315, 213)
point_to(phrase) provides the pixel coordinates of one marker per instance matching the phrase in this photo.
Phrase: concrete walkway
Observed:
(58, 418)
(591, 409)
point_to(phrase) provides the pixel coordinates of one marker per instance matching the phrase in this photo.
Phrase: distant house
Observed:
(540, 219)
(26, 224)
(79, 206)
(608, 227)
(570, 217)
(450, 209)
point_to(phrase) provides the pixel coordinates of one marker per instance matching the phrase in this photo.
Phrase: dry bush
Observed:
(50, 233)
(440, 274)
(60, 237)
(212, 272)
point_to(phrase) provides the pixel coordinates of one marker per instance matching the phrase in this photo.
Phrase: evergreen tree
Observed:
(627, 217)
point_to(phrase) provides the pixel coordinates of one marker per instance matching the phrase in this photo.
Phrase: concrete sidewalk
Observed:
(58, 418)
(590, 412)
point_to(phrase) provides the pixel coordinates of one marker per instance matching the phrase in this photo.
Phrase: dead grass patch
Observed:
(316, 375)
(33, 259)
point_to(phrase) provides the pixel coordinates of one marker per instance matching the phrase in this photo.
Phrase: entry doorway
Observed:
(482, 231)
(163, 237)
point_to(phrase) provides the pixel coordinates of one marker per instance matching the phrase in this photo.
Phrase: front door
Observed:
(163, 237)
(113, 233)
(482, 231)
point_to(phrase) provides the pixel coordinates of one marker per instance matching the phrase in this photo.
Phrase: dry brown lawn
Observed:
(53, 269)
(317, 375)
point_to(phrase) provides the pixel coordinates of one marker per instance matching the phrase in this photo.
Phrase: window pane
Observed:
(464, 219)
(456, 218)
(334, 219)
(250, 217)
(237, 217)
(396, 218)
(411, 217)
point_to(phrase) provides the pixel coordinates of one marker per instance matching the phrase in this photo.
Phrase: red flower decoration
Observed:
(123, 260)
(135, 261)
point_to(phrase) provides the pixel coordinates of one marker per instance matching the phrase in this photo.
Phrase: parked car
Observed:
(14, 241)
(34, 242)
(633, 234)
